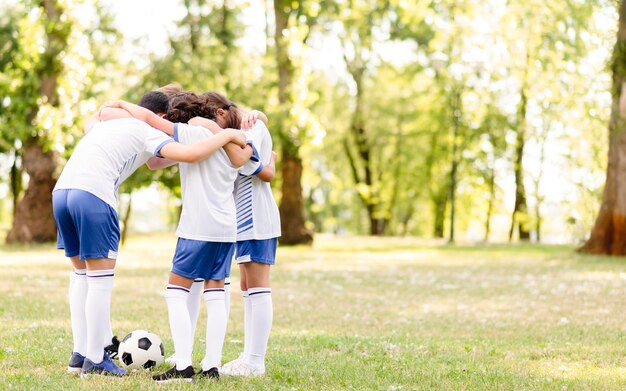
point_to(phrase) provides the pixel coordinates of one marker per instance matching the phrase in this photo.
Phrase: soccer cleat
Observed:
(76, 363)
(228, 365)
(241, 368)
(174, 374)
(106, 367)
(113, 347)
(212, 373)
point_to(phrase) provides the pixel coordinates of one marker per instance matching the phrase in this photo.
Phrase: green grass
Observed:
(354, 313)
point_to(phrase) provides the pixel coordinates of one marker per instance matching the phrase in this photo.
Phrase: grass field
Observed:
(354, 313)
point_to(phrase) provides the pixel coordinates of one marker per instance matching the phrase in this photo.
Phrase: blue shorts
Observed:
(86, 225)
(260, 251)
(199, 259)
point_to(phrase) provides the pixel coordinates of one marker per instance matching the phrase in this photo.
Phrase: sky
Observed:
(146, 20)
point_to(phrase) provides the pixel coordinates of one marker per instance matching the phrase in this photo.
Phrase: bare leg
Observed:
(257, 275)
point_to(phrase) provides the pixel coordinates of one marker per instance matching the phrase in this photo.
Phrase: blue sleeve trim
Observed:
(157, 150)
(258, 170)
(255, 154)
(176, 132)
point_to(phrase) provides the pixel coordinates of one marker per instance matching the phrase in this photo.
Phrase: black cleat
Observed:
(113, 348)
(212, 373)
(174, 375)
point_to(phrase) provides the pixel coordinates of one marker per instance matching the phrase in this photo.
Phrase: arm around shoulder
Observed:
(269, 170)
(192, 153)
(145, 115)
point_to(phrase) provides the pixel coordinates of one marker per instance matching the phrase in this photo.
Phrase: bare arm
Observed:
(238, 156)
(269, 170)
(156, 163)
(108, 113)
(192, 153)
(143, 114)
(105, 114)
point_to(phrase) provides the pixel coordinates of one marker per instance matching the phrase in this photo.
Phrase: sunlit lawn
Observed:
(354, 313)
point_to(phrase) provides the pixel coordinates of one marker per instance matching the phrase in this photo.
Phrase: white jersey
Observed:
(109, 154)
(207, 190)
(257, 213)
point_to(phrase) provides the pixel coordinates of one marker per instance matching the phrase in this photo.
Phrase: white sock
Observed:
(215, 327)
(108, 336)
(77, 295)
(193, 303)
(227, 297)
(261, 325)
(180, 327)
(247, 322)
(98, 311)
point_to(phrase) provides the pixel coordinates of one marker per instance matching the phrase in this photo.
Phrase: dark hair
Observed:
(155, 101)
(215, 100)
(186, 105)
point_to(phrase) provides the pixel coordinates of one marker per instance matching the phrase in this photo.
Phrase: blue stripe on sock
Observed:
(180, 288)
(258, 293)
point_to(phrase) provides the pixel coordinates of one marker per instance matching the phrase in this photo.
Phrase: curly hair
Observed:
(186, 105)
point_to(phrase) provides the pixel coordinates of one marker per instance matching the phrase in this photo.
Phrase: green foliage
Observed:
(76, 68)
(415, 90)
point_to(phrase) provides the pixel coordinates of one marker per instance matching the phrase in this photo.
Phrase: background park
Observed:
(450, 182)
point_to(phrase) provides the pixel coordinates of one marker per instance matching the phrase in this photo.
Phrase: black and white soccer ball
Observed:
(141, 349)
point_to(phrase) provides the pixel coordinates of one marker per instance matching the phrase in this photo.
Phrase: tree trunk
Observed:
(407, 219)
(436, 188)
(126, 219)
(361, 162)
(291, 206)
(268, 36)
(33, 219)
(226, 37)
(440, 202)
(397, 165)
(492, 197)
(455, 105)
(292, 224)
(519, 218)
(608, 235)
(538, 197)
(538, 221)
(16, 181)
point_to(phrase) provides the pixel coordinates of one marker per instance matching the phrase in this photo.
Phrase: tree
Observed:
(376, 143)
(47, 67)
(608, 235)
(9, 53)
(291, 206)
(357, 43)
(33, 219)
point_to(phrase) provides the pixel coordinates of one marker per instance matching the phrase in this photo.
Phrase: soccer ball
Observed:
(141, 349)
